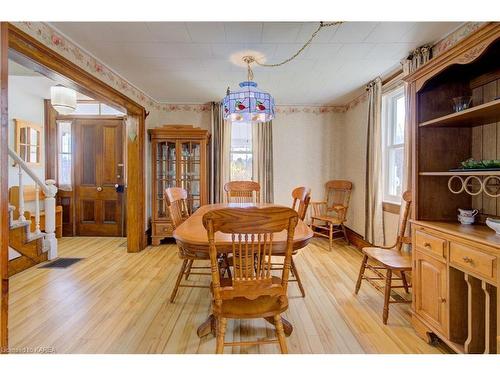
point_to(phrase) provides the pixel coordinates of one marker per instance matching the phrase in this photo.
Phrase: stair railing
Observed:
(50, 190)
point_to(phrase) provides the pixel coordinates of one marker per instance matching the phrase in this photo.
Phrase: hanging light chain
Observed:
(251, 59)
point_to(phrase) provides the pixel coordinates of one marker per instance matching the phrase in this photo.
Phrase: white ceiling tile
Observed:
(175, 32)
(243, 32)
(206, 32)
(322, 51)
(428, 32)
(353, 32)
(225, 50)
(389, 51)
(355, 51)
(390, 32)
(282, 32)
(324, 36)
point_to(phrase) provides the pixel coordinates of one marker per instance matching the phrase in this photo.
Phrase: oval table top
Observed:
(192, 234)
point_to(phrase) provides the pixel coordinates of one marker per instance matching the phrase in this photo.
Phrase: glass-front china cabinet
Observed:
(179, 158)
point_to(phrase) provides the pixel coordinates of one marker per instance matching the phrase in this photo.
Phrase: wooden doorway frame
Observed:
(51, 64)
(54, 65)
(4, 186)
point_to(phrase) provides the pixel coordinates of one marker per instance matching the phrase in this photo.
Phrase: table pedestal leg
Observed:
(287, 326)
(208, 326)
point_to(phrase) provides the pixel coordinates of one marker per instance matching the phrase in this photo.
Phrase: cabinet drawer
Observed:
(431, 244)
(163, 229)
(473, 260)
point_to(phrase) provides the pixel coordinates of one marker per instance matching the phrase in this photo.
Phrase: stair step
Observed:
(19, 224)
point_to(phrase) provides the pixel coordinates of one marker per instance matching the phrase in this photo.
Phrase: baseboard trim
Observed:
(356, 239)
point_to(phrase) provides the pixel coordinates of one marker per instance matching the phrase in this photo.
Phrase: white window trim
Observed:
(388, 99)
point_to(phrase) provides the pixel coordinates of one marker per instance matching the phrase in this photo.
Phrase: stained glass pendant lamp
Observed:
(249, 104)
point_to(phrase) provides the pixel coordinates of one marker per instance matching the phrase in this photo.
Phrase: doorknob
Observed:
(99, 188)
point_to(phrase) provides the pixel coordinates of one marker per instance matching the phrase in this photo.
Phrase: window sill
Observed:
(390, 207)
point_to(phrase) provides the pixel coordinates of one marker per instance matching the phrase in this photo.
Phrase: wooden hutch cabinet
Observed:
(456, 267)
(178, 159)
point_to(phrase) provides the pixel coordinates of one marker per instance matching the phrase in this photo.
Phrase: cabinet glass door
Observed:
(165, 173)
(190, 164)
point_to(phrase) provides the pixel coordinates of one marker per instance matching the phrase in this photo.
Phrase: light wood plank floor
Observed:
(114, 302)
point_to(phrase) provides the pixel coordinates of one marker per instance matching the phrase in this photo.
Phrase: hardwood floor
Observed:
(117, 302)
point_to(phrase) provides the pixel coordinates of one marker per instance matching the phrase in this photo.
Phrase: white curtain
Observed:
(374, 215)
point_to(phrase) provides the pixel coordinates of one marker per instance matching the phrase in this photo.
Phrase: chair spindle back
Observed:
(337, 196)
(176, 202)
(403, 222)
(301, 198)
(242, 192)
(252, 232)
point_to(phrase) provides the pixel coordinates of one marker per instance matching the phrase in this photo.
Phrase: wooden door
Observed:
(98, 167)
(430, 291)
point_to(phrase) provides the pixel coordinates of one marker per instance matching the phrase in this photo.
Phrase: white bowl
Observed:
(493, 224)
(468, 220)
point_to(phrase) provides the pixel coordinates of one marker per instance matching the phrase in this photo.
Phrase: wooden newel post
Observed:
(50, 218)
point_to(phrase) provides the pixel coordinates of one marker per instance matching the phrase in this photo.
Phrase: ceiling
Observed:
(189, 62)
(32, 82)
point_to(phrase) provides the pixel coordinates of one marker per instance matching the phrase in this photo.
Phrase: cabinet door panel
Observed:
(430, 292)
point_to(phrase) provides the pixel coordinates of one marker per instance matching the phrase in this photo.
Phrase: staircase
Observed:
(31, 248)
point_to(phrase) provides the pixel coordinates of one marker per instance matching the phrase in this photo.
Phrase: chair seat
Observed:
(329, 219)
(389, 258)
(243, 308)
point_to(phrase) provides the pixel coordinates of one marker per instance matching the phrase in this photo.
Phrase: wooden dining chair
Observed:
(301, 198)
(242, 192)
(332, 212)
(392, 260)
(176, 203)
(252, 292)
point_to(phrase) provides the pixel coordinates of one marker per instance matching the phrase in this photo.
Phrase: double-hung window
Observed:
(393, 130)
(241, 151)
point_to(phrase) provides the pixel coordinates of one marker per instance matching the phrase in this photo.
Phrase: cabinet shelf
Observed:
(476, 116)
(461, 173)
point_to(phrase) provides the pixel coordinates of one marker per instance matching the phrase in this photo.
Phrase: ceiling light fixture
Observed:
(63, 99)
(251, 104)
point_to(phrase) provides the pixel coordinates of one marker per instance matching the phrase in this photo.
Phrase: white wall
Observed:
(26, 95)
(306, 152)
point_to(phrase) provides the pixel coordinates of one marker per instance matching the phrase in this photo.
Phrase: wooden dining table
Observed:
(192, 236)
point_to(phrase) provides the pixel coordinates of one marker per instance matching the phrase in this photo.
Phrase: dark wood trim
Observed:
(29, 52)
(356, 239)
(50, 138)
(4, 187)
(393, 208)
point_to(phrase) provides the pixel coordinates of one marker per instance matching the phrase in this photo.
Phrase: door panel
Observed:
(430, 297)
(98, 167)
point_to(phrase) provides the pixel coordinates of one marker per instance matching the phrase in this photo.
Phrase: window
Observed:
(64, 150)
(393, 130)
(241, 151)
(92, 108)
